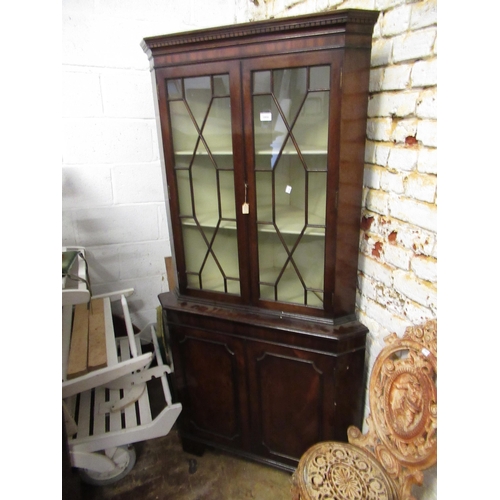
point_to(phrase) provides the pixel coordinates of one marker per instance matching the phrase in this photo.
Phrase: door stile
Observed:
(240, 178)
(333, 178)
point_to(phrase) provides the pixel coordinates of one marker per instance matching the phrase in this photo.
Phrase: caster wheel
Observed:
(124, 459)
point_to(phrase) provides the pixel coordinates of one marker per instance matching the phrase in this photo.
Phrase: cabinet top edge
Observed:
(333, 331)
(308, 21)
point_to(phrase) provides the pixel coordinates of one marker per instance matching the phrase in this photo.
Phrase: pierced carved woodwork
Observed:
(339, 470)
(401, 441)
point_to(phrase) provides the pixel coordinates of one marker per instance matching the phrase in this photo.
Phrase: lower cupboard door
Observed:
(210, 384)
(291, 400)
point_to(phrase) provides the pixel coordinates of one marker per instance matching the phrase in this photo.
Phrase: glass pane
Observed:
(193, 281)
(290, 87)
(205, 187)
(320, 78)
(269, 132)
(289, 195)
(225, 249)
(272, 255)
(317, 198)
(202, 139)
(217, 129)
(223, 161)
(226, 182)
(290, 288)
(221, 85)
(315, 161)
(184, 133)
(291, 142)
(211, 275)
(262, 82)
(211, 258)
(198, 97)
(184, 189)
(193, 243)
(174, 89)
(309, 260)
(264, 190)
(311, 128)
(315, 298)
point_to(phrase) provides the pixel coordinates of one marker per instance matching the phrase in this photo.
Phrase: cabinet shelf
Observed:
(260, 152)
(306, 152)
(210, 220)
(290, 289)
(204, 153)
(289, 221)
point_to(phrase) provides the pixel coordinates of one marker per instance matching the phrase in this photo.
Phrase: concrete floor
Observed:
(163, 471)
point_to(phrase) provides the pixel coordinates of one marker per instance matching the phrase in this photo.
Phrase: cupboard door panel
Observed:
(210, 383)
(290, 407)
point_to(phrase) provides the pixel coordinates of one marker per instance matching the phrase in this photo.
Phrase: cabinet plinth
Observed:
(263, 127)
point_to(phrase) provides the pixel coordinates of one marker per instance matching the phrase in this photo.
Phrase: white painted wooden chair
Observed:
(105, 396)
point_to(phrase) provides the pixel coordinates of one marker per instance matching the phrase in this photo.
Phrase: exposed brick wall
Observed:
(398, 243)
(397, 280)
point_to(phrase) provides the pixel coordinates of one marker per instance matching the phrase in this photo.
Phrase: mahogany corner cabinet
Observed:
(262, 129)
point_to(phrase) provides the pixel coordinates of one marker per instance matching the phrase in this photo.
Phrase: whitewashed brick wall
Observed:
(112, 188)
(397, 280)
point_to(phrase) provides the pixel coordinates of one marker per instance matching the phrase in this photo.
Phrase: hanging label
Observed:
(266, 116)
(245, 208)
(288, 189)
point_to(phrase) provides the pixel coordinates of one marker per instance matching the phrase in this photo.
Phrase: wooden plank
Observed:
(84, 407)
(169, 266)
(115, 417)
(129, 411)
(77, 359)
(110, 333)
(67, 318)
(97, 356)
(99, 418)
(143, 402)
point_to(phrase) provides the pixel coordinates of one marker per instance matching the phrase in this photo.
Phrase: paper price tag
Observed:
(245, 208)
(266, 116)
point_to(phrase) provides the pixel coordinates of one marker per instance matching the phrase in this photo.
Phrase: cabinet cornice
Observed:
(258, 28)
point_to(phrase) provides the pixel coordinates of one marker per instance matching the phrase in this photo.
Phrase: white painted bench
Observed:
(105, 395)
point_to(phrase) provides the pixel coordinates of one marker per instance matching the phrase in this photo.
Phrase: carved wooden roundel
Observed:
(403, 403)
(340, 470)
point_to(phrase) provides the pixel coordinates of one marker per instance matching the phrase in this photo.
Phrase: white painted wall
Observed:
(112, 192)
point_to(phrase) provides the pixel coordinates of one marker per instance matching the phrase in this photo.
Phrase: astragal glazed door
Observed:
(253, 159)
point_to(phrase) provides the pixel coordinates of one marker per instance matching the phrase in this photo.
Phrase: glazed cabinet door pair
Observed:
(251, 154)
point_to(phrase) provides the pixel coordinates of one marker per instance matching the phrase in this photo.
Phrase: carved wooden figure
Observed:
(384, 463)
